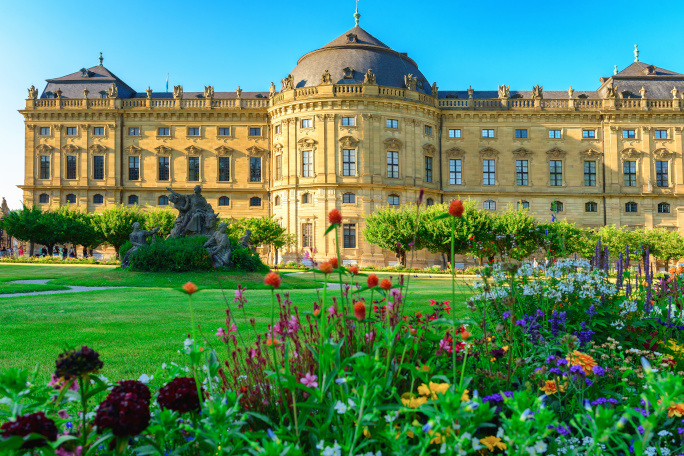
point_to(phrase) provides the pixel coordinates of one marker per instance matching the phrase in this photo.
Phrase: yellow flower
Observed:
(676, 410)
(433, 389)
(493, 443)
(550, 388)
(411, 401)
(580, 359)
(464, 396)
(438, 437)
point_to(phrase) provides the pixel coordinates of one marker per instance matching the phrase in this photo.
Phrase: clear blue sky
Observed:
(251, 43)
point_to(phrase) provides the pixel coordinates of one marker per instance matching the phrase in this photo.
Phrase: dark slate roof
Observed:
(359, 50)
(642, 69)
(657, 81)
(97, 80)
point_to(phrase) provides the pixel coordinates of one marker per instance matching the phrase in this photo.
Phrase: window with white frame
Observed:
(661, 173)
(489, 205)
(522, 175)
(393, 200)
(556, 173)
(349, 162)
(307, 235)
(488, 172)
(454, 133)
(307, 163)
(455, 171)
(393, 165)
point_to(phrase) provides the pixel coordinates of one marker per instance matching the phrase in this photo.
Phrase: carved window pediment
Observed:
(348, 141)
(631, 153)
(429, 149)
(489, 152)
(522, 152)
(97, 148)
(70, 148)
(133, 149)
(163, 149)
(555, 153)
(591, 153)
(455, 152)
(44, 148)
(305, 143)
(224, 150)
(194, 150)
(663, 154)
(392, 143)
(277, 147)
(255, 150)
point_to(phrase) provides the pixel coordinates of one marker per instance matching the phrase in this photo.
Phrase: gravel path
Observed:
(45, 281)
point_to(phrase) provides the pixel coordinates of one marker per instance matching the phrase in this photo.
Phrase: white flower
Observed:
(351, 403)
(540, 446)
(144, 378)
(335, 450)
(341, 408)
(442, 448)
(163, 365)
(320, 444)
(390, 418)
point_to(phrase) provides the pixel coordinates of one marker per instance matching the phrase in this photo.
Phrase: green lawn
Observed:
(137, 329)
(8, 288)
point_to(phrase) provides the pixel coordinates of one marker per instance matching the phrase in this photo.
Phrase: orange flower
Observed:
(386, 284)
(580, 359)
(273, 279)
(272, 341)
(334, 262)
(326, 268)
(360, 310)
(354, 270)
(465, 335)
(316, 312)
(456, 208)
(189, 288)
(676, 410)
(372, 281)
(335, 217)
(550, 388)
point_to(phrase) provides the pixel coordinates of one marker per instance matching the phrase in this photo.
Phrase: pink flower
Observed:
(63, 414)
(445, 345)
(63, 452)
(58, 383)
(220, 332)
(331, 311)
(370, 337)
(310, 380)
(238, 294)
(233, 328)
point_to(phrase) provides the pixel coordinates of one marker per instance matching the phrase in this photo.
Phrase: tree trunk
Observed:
(444, 261)
(50, 248)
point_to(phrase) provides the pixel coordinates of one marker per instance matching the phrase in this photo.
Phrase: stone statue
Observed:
(642, 92)
(219, 247)
(288, 83)
(611, 91)
(435, 90)
(178, 91)
(113, 91)
(195, 217)
(138, 238)
(33, 92)
(238, 91)
(85, 93)
(326, 78)
(674, 92)
(538, 91)
(410, 81)
(272, 91)
(504, 91)
(59, 92)
(471, 91)
(149, 92)
(244, 240)
(571, 91)
(208, 91)
(369, 77)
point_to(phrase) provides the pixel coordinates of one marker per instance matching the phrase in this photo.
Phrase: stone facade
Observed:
(369, 131)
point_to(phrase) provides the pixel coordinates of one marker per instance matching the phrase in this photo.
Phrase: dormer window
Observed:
(49, 95)
(85, 73)
(650, 70)
(348, 73)
(103, 94)
(352, 38)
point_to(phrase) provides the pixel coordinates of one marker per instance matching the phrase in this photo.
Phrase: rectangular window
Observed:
(255, 169)
(629, 170)
(629, 134)
(72, 131)
(521, 133)
(133, 168)
(661, 134)
(307, 235)
(98, 167)
(393, 165)
(98, 131)
(279, 167)
(307, 123)
(193, 169)
(392, 123)
(661, 174)
(163, 168)
(277, 129)
(193, 131)
(428, 130)
(554, 134)
(255, 131)
(522, 176)
(71, 167)
(134, 131)
(590, 174)
(307, 163)
(44, 131)
(349, 162)
(349, 235)
(348, 121)
(428, 169)
(44, 167)
(454, 133)
(455, 171)
(487, 133)
(224, 169)
(163, 131)
(488, 172)
(588, 134)
(556, 173)
(225, 131)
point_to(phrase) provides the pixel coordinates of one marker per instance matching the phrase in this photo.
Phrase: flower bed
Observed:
(57, 260)
(562, 363)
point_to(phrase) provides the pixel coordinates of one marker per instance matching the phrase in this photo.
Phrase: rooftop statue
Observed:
(138, 238)
(196, 216)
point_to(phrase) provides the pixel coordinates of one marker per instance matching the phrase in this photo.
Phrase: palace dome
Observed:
(350, 56)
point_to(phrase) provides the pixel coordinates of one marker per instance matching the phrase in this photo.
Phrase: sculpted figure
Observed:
(538, 91)
(288, 83)
(196, 216)
(32, 93)
(85, 93)
(239, 92)
(149, 92)
(612, 91)
(369, 77)
(138, 238)
(244, 240)
(410, 81)
(178, 91)
(220, 248)
(504, 91)
(113, 91)
(435, 90)
(326, 78)
(208, 91)
(272, 90)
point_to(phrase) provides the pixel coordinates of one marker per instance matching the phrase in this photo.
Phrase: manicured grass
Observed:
(137, 329)
(8, 288)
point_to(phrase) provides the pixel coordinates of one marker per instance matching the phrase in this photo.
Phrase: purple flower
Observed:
(577, 369)
(309, 380)
(563, 430)
(641, 429)
(550, 359)
(506, 315)
(592, 311)
(521, 322)
(599, 371)
(555, 370)
(588, 382)
(562, 362)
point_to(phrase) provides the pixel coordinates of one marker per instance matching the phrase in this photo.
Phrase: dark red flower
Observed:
(335, 217)
(126, 410)
(75, 363)
(133, 386)
(372, 281)
(456, 208)
(34, 423)
(180, 395)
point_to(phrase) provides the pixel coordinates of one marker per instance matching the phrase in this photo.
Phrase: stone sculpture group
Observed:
(196, 217)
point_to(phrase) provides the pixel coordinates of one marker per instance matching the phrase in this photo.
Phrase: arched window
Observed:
(277, 201)
(224, 201)
(306, 198)
(523, 205)
(44, 198)
(71, 198)
(393, 200)
(430, 202)
(133, 199)
(255, 201)
(631, 207)
(663, 208)
(490, 205)
(590, 207)
(98, 199)
(163, 200)
(349, 198)
(556, 206)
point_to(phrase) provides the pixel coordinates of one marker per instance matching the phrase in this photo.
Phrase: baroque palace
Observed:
(356, 125)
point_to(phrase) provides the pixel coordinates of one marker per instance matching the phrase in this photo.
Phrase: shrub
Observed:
(246, 260)
(175, 255)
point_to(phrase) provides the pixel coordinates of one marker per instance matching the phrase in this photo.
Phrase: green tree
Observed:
(666, 245)
(394, 229)
(266, 231)
(560, 239)
(516, 233)
(162, 218)
(35, 226)
(79, 228)
(115, 223)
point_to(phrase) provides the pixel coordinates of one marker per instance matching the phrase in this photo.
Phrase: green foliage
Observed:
(172, 255)
(394, 229)
(246, 260)
(266, 231)
(114, 224)
(436, 233)
(162, 218)
(33, 225)
(79, 228)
